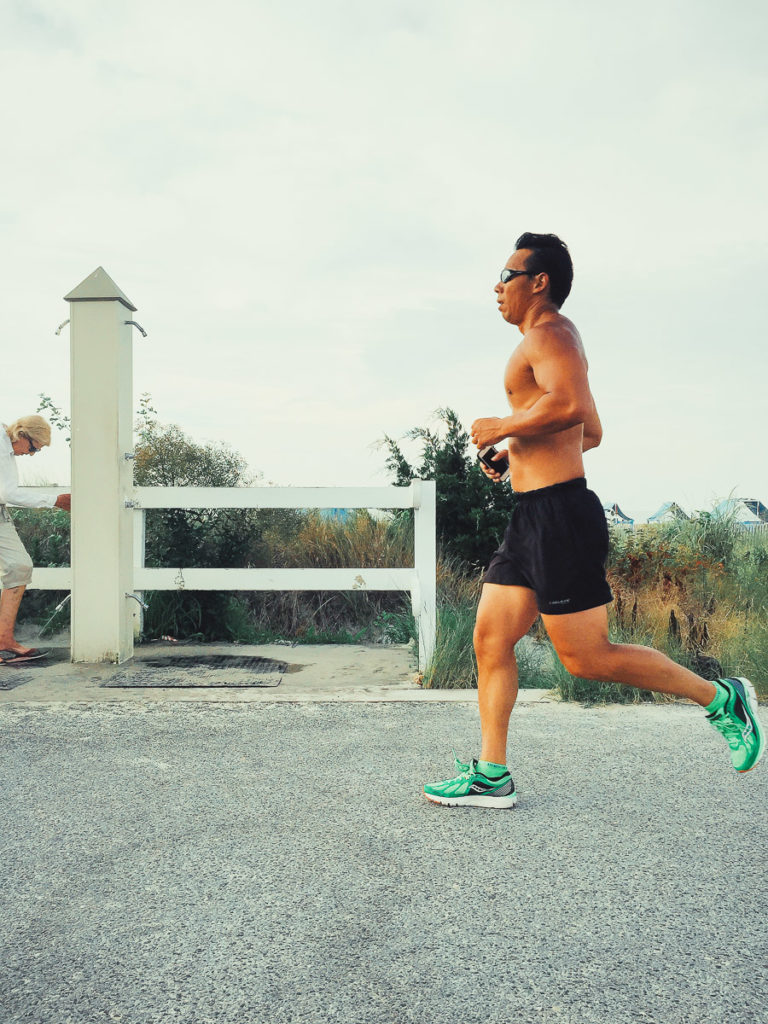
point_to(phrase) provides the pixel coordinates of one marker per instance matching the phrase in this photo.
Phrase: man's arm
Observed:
(12, 494)
(561, 373)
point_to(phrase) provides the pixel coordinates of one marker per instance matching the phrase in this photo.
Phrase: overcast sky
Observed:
(310, 203)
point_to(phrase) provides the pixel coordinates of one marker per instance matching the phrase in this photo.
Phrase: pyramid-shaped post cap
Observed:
(99, 287)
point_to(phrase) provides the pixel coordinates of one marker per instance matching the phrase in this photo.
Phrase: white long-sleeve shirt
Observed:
(10, 492)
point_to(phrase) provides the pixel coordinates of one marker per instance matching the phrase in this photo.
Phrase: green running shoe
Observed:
(472, 789)
(737, 720)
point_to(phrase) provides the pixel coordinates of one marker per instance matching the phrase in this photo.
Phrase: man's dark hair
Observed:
(550, 256)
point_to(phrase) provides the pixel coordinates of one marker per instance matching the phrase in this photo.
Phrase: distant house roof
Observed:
(745, 511)
(614, 514)
(756, 506)
(669, 511)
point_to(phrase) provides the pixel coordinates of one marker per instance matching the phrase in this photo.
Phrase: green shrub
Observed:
(472, 512)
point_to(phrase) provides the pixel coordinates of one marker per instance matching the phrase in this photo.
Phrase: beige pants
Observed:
(15, 563)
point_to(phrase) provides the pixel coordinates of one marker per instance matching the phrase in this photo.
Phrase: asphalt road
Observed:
(219, 863)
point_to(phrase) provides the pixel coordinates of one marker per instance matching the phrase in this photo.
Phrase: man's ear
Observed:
(541, 282)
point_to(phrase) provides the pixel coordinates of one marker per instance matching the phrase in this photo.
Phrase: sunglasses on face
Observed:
(32, 449)
(507, 275)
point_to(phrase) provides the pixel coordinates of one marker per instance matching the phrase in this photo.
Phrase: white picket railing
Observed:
(419, 581)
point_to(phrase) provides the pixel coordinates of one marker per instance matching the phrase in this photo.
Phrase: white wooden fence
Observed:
(419, 581)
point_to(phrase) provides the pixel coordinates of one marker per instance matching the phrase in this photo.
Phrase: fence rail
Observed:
(281, 497)
(419, 580)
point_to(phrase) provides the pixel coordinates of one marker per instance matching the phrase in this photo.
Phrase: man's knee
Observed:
(504, 615)
(492, 642)
(591, 663)
(574, 664)
(484, 638)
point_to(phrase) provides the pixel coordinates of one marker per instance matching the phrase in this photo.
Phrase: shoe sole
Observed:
(502, 802)
(751, 695)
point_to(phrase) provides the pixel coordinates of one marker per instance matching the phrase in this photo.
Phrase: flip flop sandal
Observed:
(14, 658)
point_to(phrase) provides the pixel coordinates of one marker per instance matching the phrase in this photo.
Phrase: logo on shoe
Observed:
(741, 712)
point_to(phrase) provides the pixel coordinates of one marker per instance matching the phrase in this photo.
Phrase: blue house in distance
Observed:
(615, 516)
(669, 512)
(747, 512)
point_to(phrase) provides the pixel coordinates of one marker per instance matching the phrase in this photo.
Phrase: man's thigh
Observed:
(578, 633)
(507, 612)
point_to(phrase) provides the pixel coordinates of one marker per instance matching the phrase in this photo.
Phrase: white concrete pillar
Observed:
(102, 478)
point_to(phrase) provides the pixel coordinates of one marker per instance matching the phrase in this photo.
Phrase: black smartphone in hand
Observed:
(486, 456)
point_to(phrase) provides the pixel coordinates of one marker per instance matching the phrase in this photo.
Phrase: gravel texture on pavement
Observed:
(205, 864)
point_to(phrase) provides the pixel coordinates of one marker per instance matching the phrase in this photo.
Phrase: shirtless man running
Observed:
(552, 560)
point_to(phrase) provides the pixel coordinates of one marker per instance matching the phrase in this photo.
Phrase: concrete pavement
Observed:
(232, 861)
(226, 857)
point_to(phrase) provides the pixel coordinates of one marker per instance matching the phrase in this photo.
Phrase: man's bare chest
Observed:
(520, 382)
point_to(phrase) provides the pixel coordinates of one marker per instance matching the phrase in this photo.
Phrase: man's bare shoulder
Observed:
(559, 335)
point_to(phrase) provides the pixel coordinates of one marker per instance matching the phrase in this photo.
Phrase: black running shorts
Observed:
(556, 544)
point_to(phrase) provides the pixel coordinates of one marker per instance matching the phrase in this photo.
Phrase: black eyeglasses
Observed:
(32, 449)
(507, 275)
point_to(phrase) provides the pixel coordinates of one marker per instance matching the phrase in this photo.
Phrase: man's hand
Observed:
(64, 502)
(503, 459)
(488, 431)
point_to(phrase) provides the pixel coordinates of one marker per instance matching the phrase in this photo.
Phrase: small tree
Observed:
(206, 538)
(55, 416)
(472, 511)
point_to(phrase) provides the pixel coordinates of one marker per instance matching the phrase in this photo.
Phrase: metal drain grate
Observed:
(10, 682)
(202, 670)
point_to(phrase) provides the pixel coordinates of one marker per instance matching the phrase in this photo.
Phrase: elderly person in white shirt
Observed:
(24, 437)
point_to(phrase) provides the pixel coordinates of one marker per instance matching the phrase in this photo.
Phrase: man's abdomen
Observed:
(542, 461)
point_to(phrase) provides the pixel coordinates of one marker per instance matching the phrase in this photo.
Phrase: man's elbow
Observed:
(577, 413)
(570, 411)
